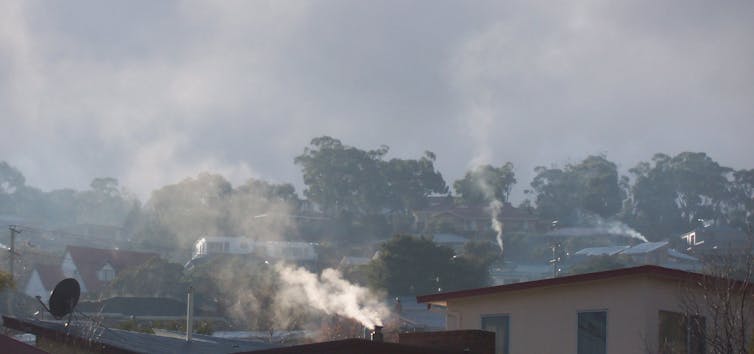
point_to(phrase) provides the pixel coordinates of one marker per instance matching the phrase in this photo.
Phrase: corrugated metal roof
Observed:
(601, 251)
(680, 255)
(645, 247)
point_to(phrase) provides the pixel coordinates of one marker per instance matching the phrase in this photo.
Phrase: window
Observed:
(681, 334)
(107, 273)
(592, 337)
(500, 325)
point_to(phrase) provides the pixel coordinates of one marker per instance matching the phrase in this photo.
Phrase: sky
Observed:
(152, 92)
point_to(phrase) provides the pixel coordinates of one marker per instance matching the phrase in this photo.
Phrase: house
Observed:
(518, 272)
(86, 337)
(630, 310)
(298, 252)
(656, 253)
(716, 240)
(95, 267)
(43, 279)
(414, 317)
(471, 219)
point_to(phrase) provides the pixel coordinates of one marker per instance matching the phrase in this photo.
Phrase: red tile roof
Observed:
(90, 260)
(650, 270)
(50, 275)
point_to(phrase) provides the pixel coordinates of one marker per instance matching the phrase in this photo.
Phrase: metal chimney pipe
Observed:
(377, 335)
(189, 313)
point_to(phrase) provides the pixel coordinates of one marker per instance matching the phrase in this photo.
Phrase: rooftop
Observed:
(89, 260)
(601, 251)
(645, 247)
(107, 340)
(350, 346)
(646, 270)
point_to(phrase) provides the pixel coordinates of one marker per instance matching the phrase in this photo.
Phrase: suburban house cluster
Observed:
(92, 267)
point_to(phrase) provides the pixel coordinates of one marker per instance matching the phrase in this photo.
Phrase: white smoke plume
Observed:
(495, 208)
(593, 224)
(331, 294)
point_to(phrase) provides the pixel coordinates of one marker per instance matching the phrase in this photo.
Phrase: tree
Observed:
(416, 265)
(486, 183)
(246, 291)
(11, 179)
(105, 203)
(343, 178)
(179, 214)
(156, 278)
(718, 305)
(6, 281)
(592, 185)
(410, 182)
(741, 205)
(670, 194)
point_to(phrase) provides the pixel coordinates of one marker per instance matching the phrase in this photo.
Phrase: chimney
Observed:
(377, 334)
(189, 313)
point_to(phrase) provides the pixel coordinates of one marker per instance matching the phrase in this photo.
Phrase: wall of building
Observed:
(545, 320)
(34, 286)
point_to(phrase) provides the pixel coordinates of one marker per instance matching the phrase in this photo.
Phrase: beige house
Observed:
(631, 310)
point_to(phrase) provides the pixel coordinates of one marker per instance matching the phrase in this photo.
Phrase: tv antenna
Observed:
(63, 299)
(62, 303)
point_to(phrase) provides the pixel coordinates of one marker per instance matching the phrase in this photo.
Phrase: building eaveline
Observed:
(630, 310)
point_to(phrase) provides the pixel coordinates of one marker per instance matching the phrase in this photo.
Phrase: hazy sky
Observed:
(151, 92)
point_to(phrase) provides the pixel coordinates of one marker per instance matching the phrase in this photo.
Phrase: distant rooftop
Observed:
(645, 247)
(601, 251)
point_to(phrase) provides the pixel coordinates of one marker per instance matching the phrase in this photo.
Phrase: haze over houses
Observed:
(350, 256)
(94, 268)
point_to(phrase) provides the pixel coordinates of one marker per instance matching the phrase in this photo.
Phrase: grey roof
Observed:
(138, 306)
(645, 247)
(354, 261)
(448, 238)
(601, 251)
(680, 255)
(417, 316)
(88, 334)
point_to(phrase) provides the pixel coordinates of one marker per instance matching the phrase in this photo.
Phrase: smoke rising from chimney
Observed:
(593, 225)
(495, 208)
(329, 293)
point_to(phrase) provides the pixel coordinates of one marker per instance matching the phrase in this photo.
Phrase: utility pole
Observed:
(12, 255)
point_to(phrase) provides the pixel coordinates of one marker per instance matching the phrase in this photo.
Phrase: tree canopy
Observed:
(486, 183)
(671, 194)
(592, 185)
(342, 178)
(416, 265)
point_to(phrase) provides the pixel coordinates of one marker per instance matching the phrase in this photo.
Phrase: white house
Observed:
(272, 250)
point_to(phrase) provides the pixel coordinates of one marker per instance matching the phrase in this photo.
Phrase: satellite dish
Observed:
(64, 297)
